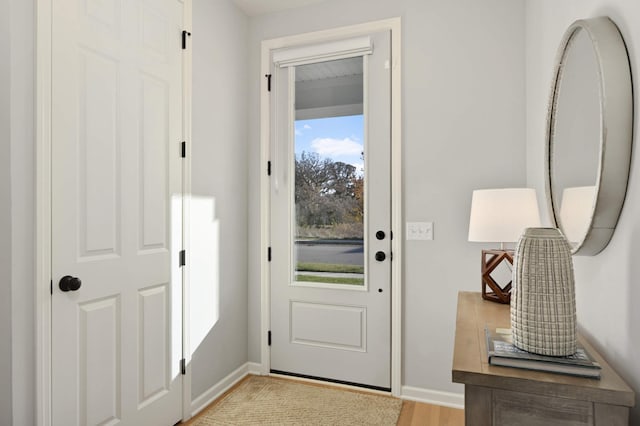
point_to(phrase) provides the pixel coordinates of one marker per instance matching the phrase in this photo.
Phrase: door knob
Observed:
(69, 283)
(380, 235)
(380, 256)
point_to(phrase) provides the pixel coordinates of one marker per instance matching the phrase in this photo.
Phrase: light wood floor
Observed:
(412, 413)
(419, 414)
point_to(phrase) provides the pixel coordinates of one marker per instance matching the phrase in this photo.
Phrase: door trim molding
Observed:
(43, 211)
(393, 25)
(187, 97)
(43, 284)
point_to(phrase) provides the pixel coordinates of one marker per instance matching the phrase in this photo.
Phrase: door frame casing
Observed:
(187, 98)
(44, 283)
(394, 26)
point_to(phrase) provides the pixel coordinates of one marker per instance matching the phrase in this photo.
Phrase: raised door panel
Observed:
(99, 159)
(329, 326)
(103, 12)
(100, 361)
(154, 142)
(154, 33)
(154, 354)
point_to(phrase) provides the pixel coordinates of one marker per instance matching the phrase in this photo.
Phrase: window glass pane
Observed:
(329, 173)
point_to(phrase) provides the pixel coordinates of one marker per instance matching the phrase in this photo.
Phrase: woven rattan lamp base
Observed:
(543, 312)
(491, 259)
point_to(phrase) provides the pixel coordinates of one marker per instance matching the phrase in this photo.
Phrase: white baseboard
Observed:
(254, 368)
(446, 399)
(221, 387)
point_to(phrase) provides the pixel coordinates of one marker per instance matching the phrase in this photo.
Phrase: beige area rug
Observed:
(272, 401)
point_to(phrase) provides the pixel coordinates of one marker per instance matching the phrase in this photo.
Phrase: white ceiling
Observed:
(330, 69)
(263, 7)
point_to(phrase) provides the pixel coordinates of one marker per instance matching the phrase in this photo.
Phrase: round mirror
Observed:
(589, 134)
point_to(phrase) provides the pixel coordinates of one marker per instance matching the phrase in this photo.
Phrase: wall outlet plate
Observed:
(419, 230)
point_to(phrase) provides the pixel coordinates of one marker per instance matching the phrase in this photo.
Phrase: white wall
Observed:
(5, 217)
(463, 129)
(220, 96)
(607, 285)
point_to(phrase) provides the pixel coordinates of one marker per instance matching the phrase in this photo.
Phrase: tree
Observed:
(325, 191)
(358, 194)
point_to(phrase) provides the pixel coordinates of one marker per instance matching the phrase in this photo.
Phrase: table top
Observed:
(471, 365)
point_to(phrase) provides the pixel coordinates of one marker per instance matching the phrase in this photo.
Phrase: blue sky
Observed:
(337, 138)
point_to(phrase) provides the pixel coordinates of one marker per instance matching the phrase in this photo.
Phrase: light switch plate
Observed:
(419, 230)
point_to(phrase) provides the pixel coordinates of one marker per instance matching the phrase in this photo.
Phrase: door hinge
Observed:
(183, 258)
(185, 34)
(269, 338)
(268, 76)
(51, 286)
(390, 255)
(269, 254)
(183, 366)
(183, 149)
(268, 168)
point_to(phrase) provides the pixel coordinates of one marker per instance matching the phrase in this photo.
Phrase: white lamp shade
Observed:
(575, 211)
(501, 215)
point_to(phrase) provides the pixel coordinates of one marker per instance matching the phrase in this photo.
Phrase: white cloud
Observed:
(359, 168)
(299, 131)
(330, 147)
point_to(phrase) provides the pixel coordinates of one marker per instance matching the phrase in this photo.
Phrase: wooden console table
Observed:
(511, 396)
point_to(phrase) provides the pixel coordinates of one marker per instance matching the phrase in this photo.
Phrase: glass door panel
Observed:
(329, 188)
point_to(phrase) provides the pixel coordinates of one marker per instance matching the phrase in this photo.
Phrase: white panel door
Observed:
(330, 285)
(116, 212)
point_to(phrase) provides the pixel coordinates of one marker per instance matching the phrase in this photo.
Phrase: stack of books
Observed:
(502, 352)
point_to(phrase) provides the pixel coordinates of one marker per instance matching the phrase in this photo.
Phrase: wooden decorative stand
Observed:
(491, 259)
(500, 396)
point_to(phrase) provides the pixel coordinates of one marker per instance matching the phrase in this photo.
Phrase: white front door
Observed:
(116, 212)
(330, 214)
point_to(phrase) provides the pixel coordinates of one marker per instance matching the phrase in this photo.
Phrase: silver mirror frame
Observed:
(616, 131)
